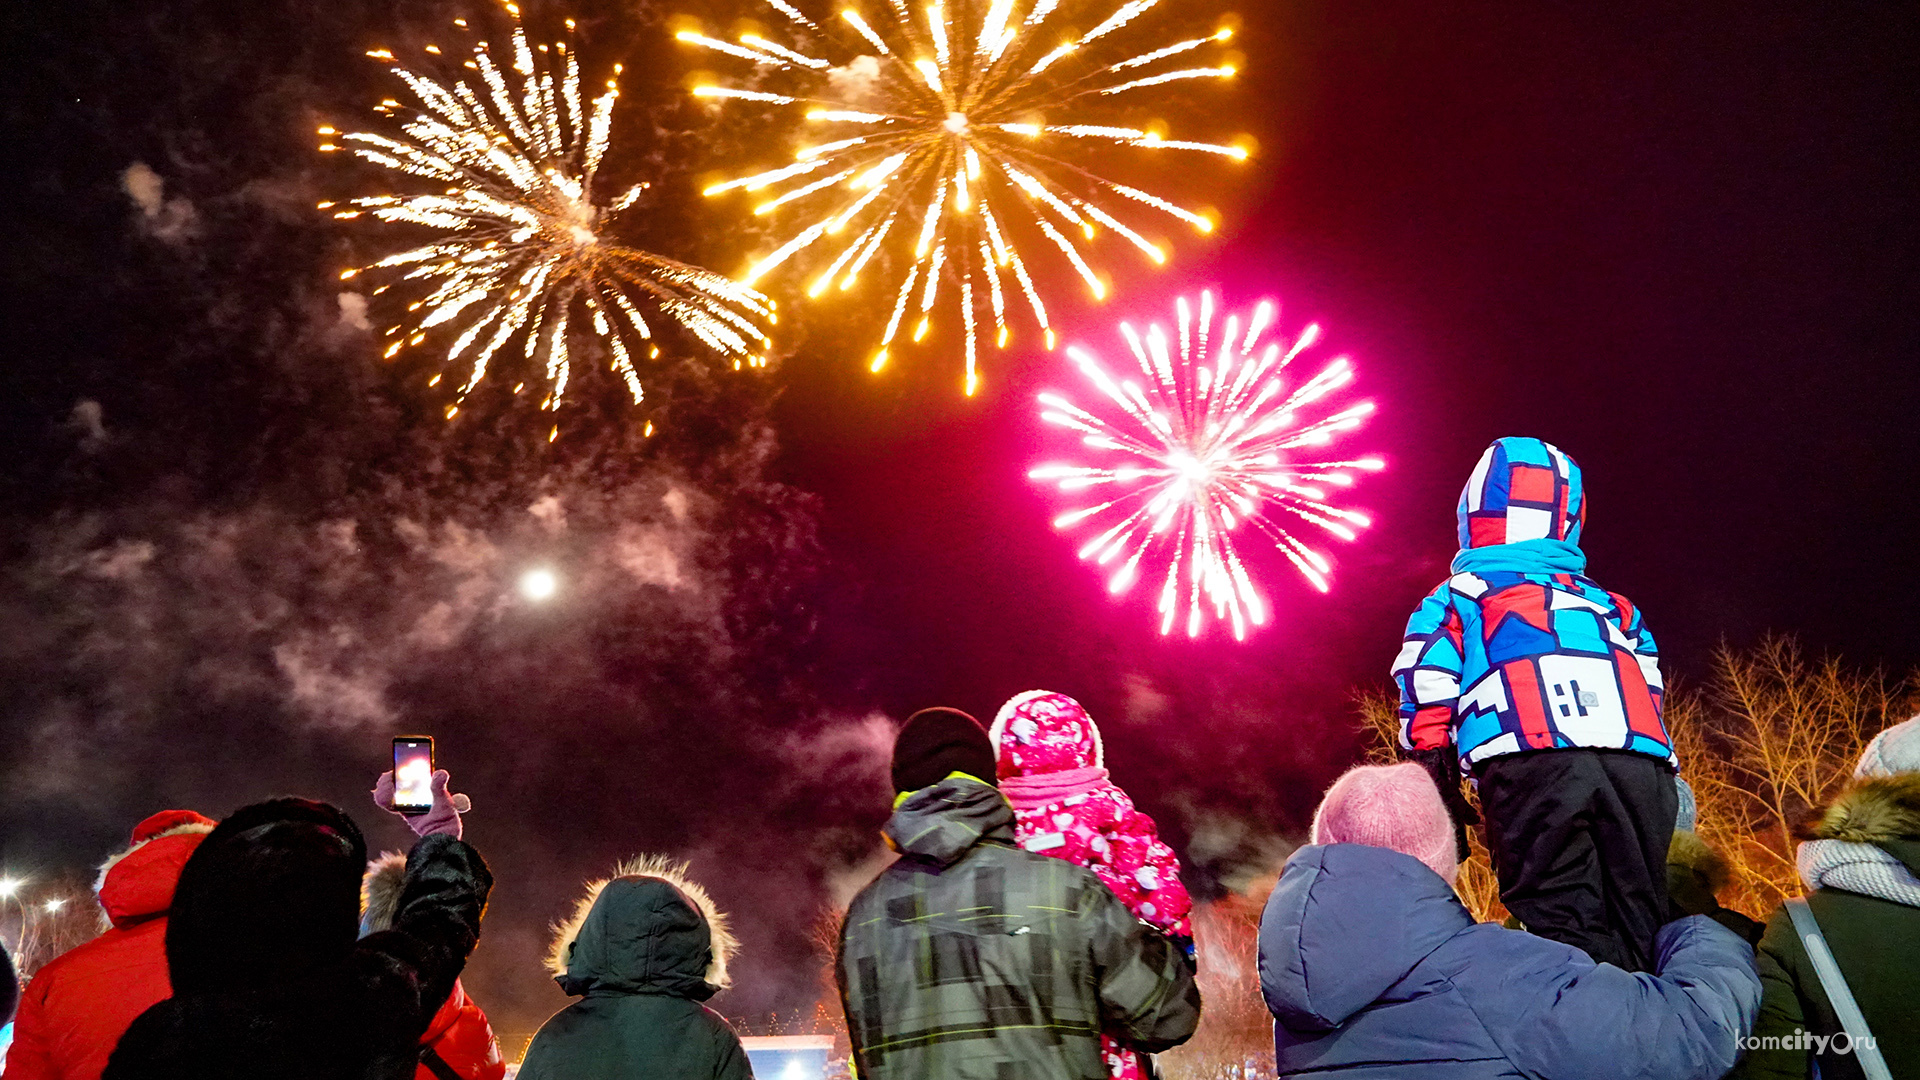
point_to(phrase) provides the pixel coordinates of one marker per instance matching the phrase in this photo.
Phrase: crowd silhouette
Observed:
(1034, 926)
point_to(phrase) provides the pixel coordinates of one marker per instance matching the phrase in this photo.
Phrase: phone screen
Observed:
(413, 774)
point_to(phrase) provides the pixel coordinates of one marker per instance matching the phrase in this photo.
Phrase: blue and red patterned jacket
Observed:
(1519, 650)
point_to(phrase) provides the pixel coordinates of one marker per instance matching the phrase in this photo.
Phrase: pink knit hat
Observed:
(1390, 806)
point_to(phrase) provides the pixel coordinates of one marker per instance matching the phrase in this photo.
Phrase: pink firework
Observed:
(1213, 438)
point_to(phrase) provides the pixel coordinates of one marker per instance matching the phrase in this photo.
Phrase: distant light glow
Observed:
(539, 584)
(1210, 436)
(54, 905)
(10, 887)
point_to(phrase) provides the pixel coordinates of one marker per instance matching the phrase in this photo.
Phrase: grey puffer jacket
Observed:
(971, 959)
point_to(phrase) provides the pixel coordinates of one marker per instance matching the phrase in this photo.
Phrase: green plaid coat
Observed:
(971, 959)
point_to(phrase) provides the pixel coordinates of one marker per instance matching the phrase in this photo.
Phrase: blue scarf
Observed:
(1522, 557)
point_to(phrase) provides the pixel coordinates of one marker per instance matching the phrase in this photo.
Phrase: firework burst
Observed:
(525, 248)
(950, 131)
(1212, 439)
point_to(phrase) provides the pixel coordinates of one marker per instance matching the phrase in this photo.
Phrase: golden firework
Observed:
(525, 248)
(948, 131)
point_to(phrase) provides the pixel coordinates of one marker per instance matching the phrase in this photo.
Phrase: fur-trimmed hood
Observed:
(137, 883)
(1868, 841)
(269, 898)
(380, 892)
(1874, 811)
(648, 929)
(1690, 852)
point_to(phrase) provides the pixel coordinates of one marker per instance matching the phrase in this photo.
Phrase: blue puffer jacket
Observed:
(1373, 969)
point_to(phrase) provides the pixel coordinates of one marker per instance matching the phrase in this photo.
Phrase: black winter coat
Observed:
(1876, 942)
(268, 978)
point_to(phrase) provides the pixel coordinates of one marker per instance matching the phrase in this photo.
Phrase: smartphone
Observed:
(413, 773)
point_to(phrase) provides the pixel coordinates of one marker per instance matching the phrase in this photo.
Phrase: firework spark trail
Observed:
(525, 248)
(1203, 443)
(951, 128)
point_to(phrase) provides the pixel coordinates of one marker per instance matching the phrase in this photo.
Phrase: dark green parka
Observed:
(972, 959)
(643, 951)
(1875, 940)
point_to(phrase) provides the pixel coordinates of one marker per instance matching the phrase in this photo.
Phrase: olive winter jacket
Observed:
(972, 959)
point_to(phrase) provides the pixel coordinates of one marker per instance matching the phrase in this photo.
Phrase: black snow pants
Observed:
(1579, 843)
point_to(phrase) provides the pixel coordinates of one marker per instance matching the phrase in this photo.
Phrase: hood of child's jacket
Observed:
(940, 823)
(271, 895)
(1042, 732)
(642, 935)
(1345, 923)
(1522, 489)
(138, 883)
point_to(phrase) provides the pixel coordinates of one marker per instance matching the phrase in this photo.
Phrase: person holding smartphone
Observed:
(270, 976)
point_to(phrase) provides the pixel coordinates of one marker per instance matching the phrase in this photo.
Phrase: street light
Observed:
(10, 887)
(53, 906)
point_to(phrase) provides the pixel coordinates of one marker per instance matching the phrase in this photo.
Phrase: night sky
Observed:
(239, 552)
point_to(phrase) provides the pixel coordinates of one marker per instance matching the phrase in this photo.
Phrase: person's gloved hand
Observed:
(443, 817)
(1444, 767)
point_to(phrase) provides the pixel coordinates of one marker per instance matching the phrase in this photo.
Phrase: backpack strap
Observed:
(437, 1065)
(1839, 995)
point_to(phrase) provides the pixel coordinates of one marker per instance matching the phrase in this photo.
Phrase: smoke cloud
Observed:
(170, 220)
(280, 553)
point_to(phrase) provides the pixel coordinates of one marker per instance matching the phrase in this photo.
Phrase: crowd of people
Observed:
(1034, 926)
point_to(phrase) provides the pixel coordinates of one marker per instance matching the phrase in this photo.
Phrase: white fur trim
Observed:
(190, 827)
(380, 889)
(674, 874)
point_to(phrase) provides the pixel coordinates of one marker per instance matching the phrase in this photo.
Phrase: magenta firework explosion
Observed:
(1212, 439)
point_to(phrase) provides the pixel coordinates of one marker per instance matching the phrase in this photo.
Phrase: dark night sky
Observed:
(1679, 241)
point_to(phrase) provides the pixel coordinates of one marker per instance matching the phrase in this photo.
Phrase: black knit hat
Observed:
(937, 742)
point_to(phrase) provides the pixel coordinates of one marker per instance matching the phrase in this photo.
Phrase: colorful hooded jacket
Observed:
(972, 959)
(1520, 650)
(77, 1007)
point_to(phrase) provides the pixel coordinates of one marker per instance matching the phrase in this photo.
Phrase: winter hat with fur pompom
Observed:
(1390, 806)
(1893, 751)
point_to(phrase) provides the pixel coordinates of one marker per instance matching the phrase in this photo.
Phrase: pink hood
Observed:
(1047, 748)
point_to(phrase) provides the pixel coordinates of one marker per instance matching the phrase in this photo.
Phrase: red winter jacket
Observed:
(463, 1039)
(77, 1007)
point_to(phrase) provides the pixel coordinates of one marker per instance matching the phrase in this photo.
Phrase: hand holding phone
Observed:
(412, 774)
(415, 789)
